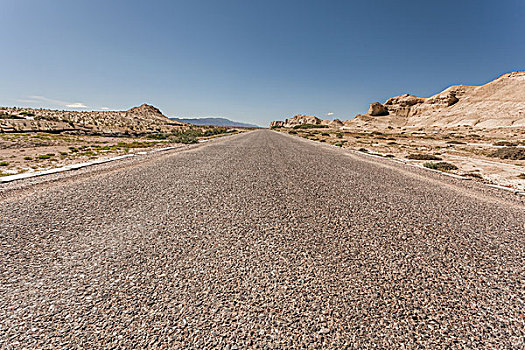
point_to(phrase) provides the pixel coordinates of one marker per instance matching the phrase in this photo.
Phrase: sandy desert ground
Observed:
(494, 157)
(29, 152)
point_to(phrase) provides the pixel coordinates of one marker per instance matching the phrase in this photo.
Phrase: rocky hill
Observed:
(301, 119)
(497, 104)
(137, 120)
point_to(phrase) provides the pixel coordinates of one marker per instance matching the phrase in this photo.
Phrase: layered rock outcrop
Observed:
(377, 108)
(497, 104)
(301, 119)
(336, 123)
(141, 119)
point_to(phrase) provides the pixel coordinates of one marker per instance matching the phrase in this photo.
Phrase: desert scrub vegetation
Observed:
(422, 156)
(190, 135)
(521, 176)
(514, 153)
(4, 163)
(45, 156)
(473, 174)
(505, 143)
(185, 138)
(133, 144)
(310, 126)
(10, 116)
(442, 166)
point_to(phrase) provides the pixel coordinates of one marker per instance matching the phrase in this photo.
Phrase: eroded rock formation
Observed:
(141, 119)
(497, 104)
(377, 108)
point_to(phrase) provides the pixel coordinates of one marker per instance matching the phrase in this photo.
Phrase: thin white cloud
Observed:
(41, 99)
(76, 105)
(330, 113)
(104, 108)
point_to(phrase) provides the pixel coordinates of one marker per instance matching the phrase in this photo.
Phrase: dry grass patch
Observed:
(505, 143)
(442, 166)
(514, 153)
(421, 156)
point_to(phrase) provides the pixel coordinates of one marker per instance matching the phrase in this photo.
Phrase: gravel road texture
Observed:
(261, 240)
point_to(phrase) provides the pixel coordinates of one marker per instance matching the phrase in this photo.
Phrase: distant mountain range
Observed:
(215, 122)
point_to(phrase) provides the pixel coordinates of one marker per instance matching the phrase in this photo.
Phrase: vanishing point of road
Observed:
(261, 240)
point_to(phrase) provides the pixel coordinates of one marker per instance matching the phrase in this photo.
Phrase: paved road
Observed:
(265, 241)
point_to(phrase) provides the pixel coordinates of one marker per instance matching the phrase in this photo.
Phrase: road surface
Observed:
(262, 240)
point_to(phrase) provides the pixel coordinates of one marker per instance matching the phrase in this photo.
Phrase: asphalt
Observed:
(265, 241)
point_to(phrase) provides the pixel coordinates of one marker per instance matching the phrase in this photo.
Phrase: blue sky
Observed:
(252, 61)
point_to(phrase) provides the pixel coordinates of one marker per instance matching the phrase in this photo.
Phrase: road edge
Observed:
(457, 177)
(71, 167)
